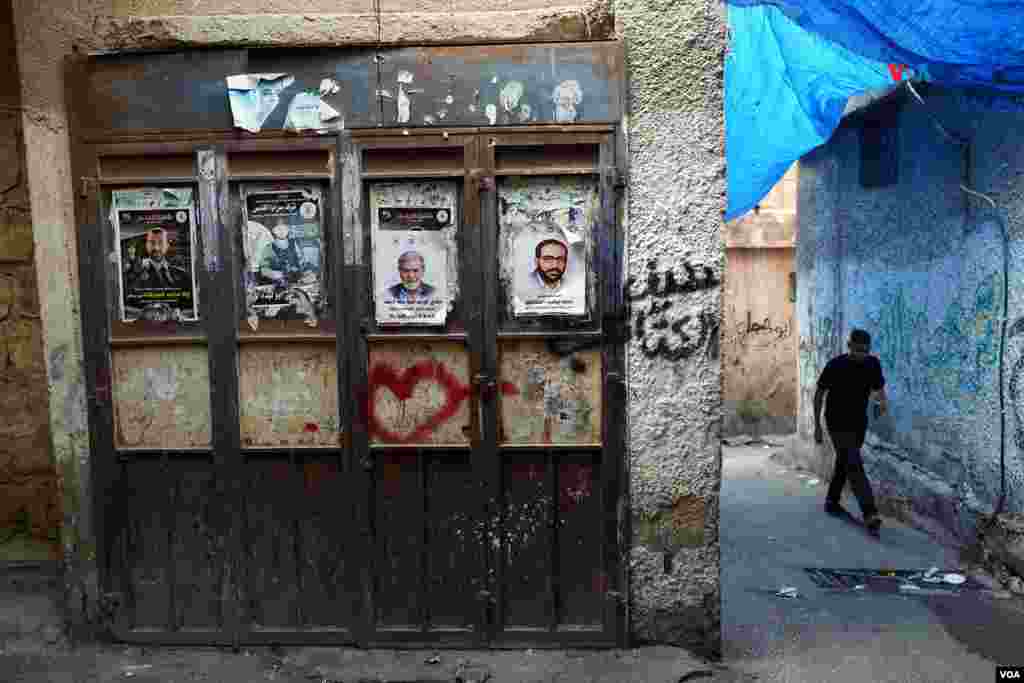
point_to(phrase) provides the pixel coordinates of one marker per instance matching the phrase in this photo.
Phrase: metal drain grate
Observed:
(885, 580)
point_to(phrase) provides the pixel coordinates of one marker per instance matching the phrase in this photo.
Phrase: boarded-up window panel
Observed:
(419, 393)
(270, 164)
(418, 161)
(135, 167)
(549, 399)
(546, 159)
(288, 395)
(161, 398)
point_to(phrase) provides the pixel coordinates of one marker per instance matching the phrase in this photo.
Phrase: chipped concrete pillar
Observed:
(43, 41)
(675, 53)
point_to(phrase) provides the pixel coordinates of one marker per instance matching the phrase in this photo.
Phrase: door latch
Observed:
(486, 387)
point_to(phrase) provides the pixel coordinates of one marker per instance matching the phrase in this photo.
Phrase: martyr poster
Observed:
(545, 225)
(413, 229)
(282, 238)
(154, 231)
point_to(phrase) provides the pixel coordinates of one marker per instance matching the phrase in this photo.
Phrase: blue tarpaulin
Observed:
(793, 64)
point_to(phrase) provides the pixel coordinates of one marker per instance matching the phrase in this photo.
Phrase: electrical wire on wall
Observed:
(1004, 233)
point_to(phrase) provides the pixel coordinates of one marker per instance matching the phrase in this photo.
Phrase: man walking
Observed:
(845, 385)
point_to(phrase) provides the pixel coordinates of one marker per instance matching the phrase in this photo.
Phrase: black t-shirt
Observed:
(849, 384)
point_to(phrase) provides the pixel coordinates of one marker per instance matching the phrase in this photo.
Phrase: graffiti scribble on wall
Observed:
(421, 398)
(661, 334)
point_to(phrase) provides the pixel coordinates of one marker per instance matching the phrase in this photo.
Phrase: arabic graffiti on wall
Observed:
(763, 330)
(657, 327)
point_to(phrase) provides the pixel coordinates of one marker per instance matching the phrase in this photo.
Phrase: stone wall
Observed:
(921, 267)
(29, 507)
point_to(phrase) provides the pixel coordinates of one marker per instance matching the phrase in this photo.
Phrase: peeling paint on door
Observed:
(289, 396)
(559, 399)
(161, 398)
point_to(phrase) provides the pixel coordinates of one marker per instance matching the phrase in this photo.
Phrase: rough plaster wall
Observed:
(676, 195)
(758, 343)
(45, 36)
(29, 506)
(923, 274)
(176, 23)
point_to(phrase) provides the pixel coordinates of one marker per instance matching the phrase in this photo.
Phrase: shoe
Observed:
(835, 509)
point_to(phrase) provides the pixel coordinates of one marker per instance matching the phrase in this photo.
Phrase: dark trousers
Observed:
(850, 465)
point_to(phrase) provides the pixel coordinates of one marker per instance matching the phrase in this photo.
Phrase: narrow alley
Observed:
(773, 526)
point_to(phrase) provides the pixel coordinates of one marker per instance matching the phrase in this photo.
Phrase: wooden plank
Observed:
(217, 273)
(549, 399)
(327, 556)
(418, 393)
(572, 158)
(127, 168)
(491, 85)
(289, 395)
(143, 535)
(428, 161)
(269, 555)
(616, 532)
(174, 90)
(273, 164)
(352, 348)
(500, 85)
(353, 70)
(161, 398)
(158, 340)
(581, 572)
(527, 560)
(198, 553)
(488, 466)
(454, 564)
(399, 566)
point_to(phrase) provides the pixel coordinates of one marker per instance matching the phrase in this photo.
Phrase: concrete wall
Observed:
(759, 364)
(676, 197)
(921, 268)
(29, 507)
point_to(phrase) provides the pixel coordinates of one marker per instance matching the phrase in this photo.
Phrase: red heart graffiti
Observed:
(401, 384)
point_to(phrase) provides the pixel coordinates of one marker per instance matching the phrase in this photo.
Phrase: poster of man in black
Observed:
(158, 281)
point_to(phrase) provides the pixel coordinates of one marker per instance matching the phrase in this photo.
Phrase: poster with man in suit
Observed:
(155, 234)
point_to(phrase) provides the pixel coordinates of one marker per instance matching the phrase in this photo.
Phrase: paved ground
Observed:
(772, 526)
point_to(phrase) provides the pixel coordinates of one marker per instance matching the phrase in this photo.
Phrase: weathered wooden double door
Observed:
(359, 388)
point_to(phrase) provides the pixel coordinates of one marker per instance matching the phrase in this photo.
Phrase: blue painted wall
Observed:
(922, 269)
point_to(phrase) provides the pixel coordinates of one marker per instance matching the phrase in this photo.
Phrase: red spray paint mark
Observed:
(896, 71)
(401, 383)
(311, 428)
(600, 582)
(575, 485)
